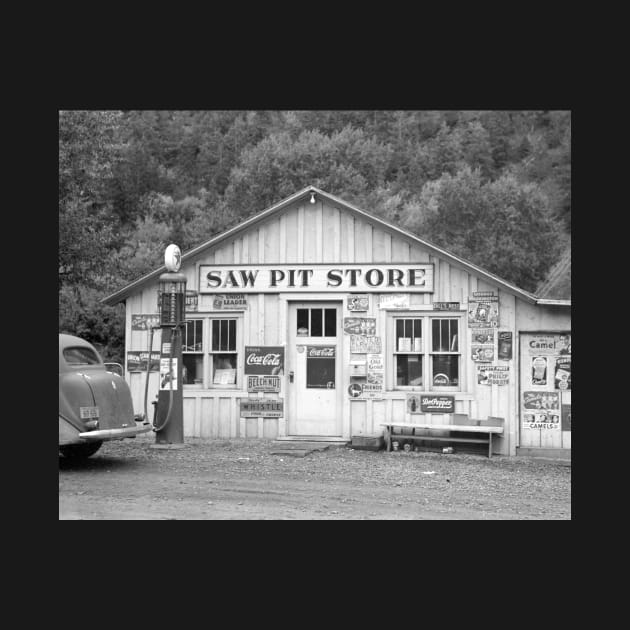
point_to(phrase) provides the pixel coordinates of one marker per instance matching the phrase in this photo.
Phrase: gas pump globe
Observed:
(169, 422)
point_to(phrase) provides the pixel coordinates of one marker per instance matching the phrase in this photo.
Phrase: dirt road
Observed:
(241, 479)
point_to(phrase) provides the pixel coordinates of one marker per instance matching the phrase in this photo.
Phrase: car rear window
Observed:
(80, 356)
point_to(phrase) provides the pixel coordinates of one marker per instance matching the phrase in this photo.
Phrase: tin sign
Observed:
(144, 321)
(394, 302)
(541, 400)
(493, 374)
(264, 360)
(358, 302)
(437, 404)
(359, 325)
(192, 300)
(261, 408)
(137, 361)
(446, 306)
(361, 343)
(229, 302)
(262, 383)
(483, 310)
(505, 345)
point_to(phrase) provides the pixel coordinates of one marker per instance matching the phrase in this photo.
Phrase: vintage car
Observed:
(94, 403)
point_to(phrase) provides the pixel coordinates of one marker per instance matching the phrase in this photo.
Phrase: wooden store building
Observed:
(316, 319)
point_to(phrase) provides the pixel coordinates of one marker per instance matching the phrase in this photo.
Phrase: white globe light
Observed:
(173, 258)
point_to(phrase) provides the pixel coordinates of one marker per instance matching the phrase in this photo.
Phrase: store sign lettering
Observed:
(273, 279)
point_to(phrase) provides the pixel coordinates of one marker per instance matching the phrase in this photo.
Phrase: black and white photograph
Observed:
(312, 314)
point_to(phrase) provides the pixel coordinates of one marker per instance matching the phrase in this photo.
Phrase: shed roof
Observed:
(138, 284)
(557, 284)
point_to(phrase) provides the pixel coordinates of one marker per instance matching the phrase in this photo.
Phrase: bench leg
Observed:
(489, 445)
(388, 438)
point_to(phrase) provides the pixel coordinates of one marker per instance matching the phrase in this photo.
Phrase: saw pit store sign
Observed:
(299, 278)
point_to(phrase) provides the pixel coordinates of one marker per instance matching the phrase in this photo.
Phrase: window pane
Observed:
(320, 373)
(400, 330)
(224, 369)
(216, 328)
(232, 334)
(417, 328)
(302, 322)
(192, 368)
(316, 322)
(445, 370)
(330, 324)
(198, 335)
(408, 369)
(224, 335)
(80, 356)
(453, 336)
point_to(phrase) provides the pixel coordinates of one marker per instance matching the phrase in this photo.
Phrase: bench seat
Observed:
(490, 427)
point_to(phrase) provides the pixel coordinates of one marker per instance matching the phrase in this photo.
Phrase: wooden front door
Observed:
(314, 358)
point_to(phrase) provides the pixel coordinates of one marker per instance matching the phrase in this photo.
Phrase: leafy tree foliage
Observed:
(492, 186)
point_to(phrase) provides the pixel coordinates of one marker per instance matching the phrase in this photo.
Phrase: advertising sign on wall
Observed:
(137, 361)
(192, 300)
(539, 370)
(493, 374)
(145, 321)
(263, 383)
(562, 378)
(261, 408)
(549, 344)
(505, 345)
(548, 420)
(483, 310)
(359, 325)
(541, 401)
(359, 302)
(482, 344)
(264, 360)
(446, 306)
(358, 278)
(375, 372)
(229, 302)
(361, 343)
(437, 404)
(395, 301)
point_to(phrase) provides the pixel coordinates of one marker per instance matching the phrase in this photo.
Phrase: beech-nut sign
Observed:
(264, 360)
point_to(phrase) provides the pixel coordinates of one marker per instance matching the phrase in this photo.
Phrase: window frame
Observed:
(427, 354)
(210, 353)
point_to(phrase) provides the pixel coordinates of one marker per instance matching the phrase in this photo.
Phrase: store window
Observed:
(427, 354)
(192, 352)
(445, 355)
(223, 353)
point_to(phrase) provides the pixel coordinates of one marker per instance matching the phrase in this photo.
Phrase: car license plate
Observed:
(88, 412)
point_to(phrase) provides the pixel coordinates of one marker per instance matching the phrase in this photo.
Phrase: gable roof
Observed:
(557, 284)
(136, 285)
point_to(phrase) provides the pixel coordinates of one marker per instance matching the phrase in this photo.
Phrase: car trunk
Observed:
(112, 399)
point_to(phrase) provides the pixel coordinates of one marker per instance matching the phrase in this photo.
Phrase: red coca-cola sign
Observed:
(264, 360)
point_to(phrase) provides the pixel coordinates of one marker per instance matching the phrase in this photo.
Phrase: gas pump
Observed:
(168, 421)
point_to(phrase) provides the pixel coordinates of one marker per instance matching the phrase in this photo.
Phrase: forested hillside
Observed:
(491, 186)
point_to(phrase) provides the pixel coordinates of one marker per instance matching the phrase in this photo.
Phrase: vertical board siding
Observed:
(322, 232)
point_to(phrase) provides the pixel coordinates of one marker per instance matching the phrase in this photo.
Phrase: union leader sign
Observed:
(379, 278)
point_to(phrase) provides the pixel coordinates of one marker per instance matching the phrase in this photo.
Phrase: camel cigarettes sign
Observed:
(383, 278)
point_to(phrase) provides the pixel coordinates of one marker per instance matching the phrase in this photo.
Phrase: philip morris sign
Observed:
(283, 278)
(264, 360)
(437, 404)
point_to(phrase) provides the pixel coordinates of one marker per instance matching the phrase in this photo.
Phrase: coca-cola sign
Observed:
(320, 351)
(264, 360)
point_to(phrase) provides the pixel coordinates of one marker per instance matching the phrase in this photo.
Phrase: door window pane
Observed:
(316, 322)
(320, 372)
(330, 322)
(302, 322)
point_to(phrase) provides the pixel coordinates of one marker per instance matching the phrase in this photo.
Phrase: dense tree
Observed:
(492, 186)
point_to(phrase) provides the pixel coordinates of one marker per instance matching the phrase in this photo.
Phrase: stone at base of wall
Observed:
(550, 453)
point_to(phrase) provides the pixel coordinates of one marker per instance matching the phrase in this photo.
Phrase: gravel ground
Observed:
(241, 479)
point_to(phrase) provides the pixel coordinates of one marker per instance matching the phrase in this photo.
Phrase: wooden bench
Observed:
(483, 430)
